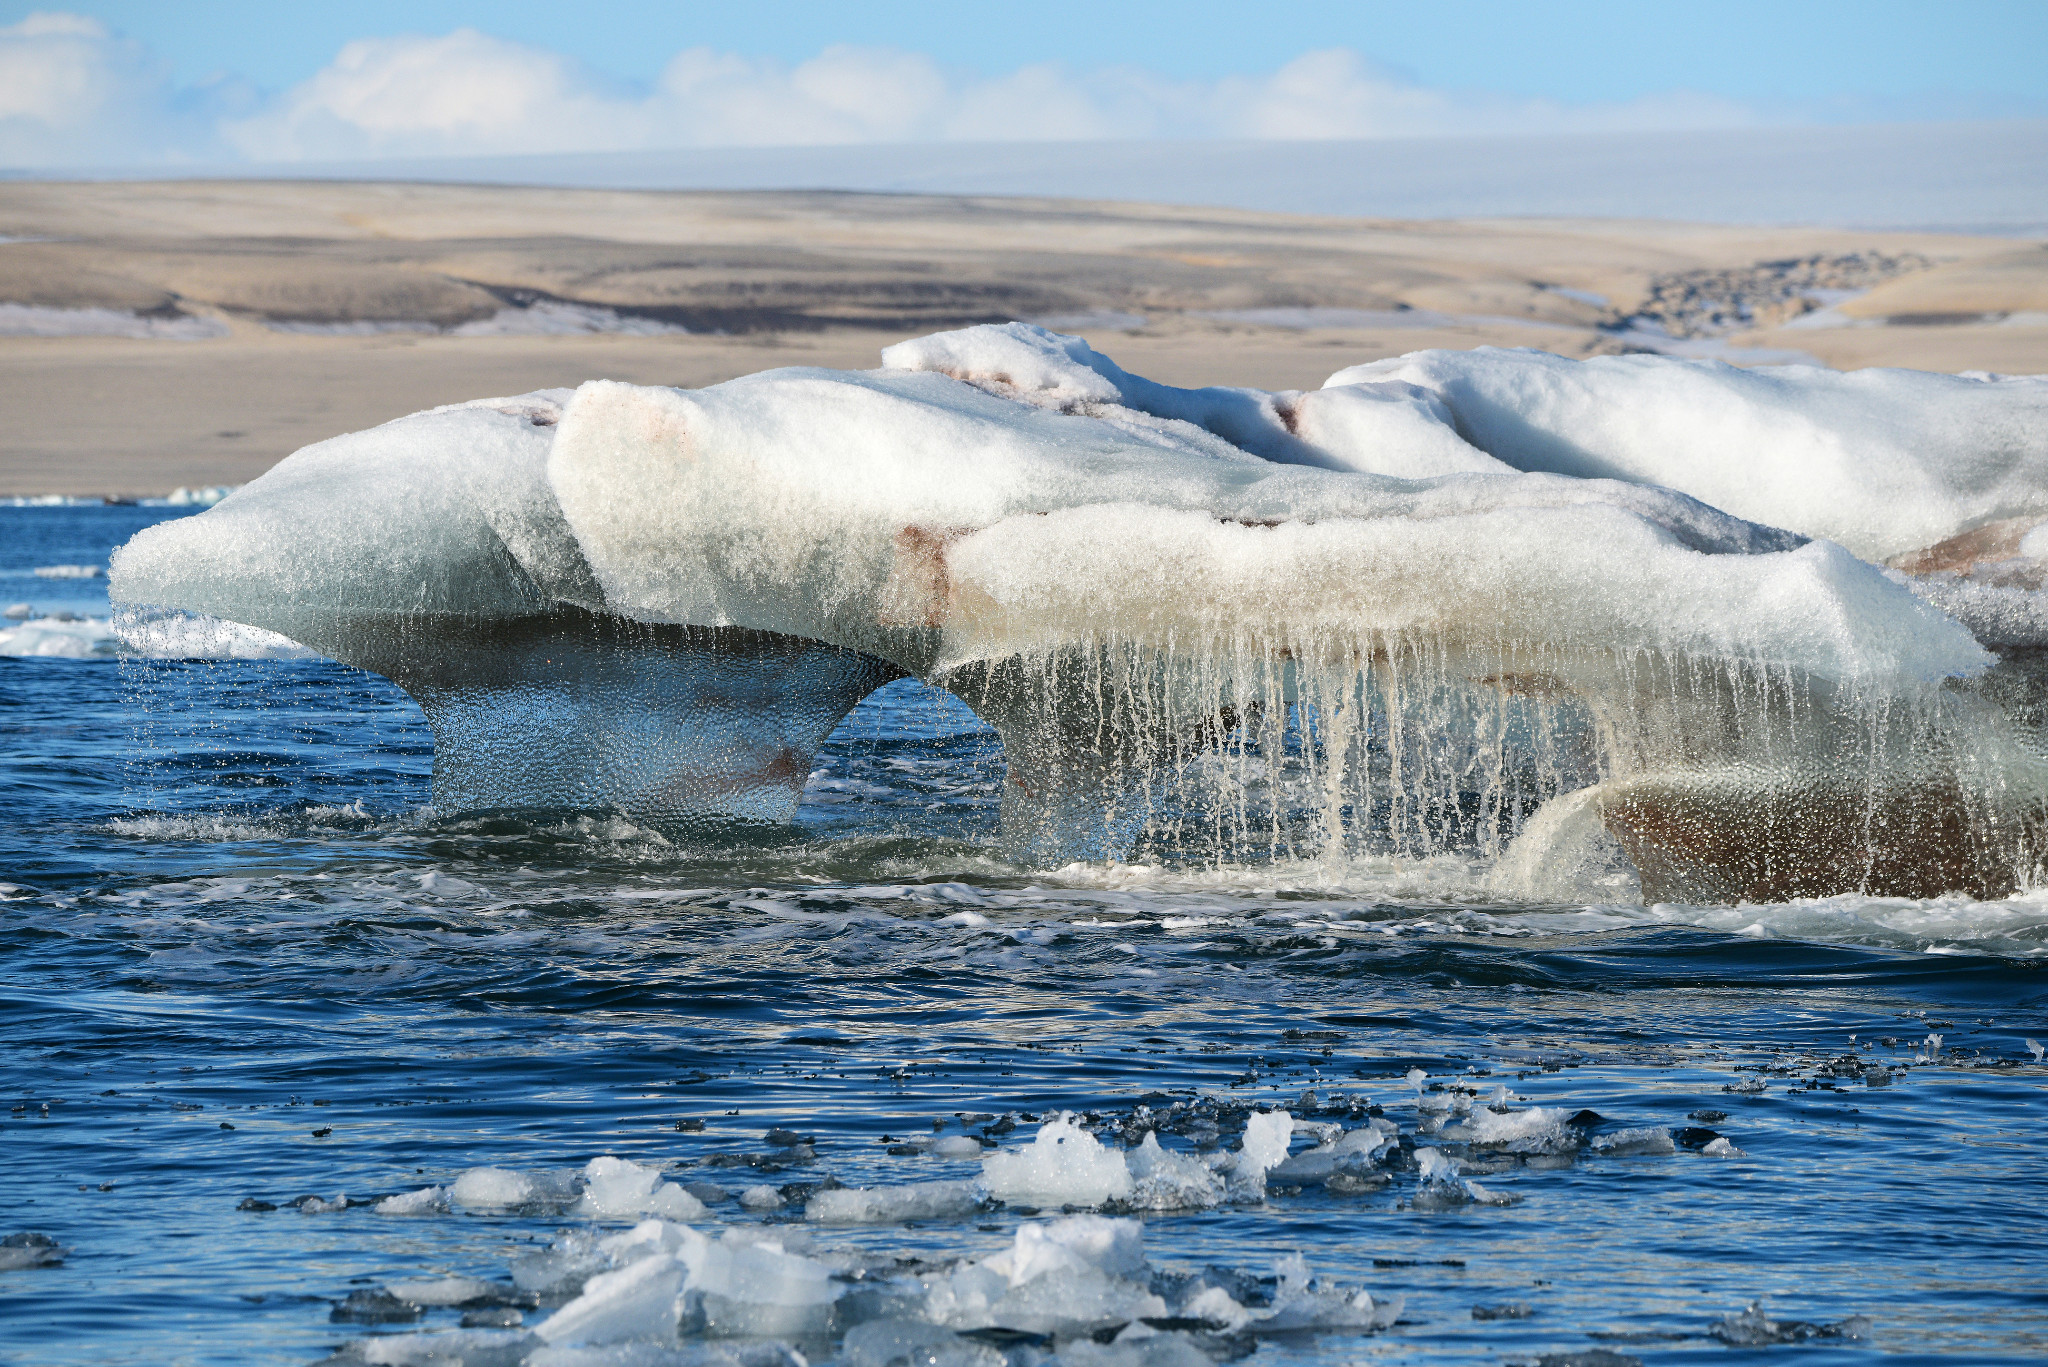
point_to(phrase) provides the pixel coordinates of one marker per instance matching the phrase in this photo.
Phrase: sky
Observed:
(141, 82)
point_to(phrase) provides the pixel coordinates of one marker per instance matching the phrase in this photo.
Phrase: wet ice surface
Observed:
(225, 907)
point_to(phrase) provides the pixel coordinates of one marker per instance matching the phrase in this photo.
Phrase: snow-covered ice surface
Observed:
(302, 1068)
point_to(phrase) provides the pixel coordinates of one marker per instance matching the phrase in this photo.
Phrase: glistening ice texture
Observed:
(1219, 623)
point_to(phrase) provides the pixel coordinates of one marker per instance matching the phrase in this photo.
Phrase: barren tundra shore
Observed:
(184, 333)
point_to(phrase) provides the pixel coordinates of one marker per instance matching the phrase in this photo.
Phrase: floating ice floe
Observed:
(1455, 602)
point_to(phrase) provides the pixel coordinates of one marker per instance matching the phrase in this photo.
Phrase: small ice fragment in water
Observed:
(1753, 1329)
(425, 1201)
(372, 1305)
(1512, 1310)
(2036, 1048)
(912, 1343)
(1416, 1077)
(892, 1205)
(1636, 1143)
(761, 1197)
(485, 1188)
(313, 1205)
(29, 1250)
(448, 1291)
(1062, 1165)
(958, 1146)
(1722, 1148)
(502, 1188)
(1165, 1180)
(617, 1186)
(639, 1301)
(1266, 1138)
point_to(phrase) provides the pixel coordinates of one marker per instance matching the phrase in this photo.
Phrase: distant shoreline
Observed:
(220, 326)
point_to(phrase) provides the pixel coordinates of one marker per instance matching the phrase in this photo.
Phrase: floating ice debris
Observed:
(1162, 1179)
(1753, 1329)
(425, 1201)
(2037, 1049)
(370, 1305)
(29, 1250)
(68, 571)
(504, 1189)
(1721, 1147)
(315, 1205)
(761, 1197)
(451, 1290)
(18, 612)
(892, 1205)
(1165, 600)
(1635, 1143)
(956, 1146)
(1062, 1165)
(1438, 1184)
(614, 1187)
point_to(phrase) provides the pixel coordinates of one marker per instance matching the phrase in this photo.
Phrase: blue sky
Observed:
(131, 81)
(1788, 50)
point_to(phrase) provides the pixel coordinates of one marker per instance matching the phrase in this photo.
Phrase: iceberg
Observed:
(1482, 600)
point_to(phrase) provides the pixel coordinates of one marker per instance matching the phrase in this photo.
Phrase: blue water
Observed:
(240, 957)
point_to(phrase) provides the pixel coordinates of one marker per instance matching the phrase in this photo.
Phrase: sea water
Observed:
(243, 962)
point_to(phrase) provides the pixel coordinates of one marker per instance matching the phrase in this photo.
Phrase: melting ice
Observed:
(1613, 623)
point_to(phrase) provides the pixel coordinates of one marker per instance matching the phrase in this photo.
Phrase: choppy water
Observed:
(241, 958)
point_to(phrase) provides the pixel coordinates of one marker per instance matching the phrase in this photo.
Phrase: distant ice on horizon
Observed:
(1987, 177)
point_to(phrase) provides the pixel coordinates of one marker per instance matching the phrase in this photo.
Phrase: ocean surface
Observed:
(243, 962)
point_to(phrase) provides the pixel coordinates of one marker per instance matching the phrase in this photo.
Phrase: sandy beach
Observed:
(313, 308)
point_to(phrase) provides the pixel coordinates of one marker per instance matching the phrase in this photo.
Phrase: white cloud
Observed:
(70, 92)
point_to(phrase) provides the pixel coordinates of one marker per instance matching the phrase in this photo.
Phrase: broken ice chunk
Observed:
(1721, 1147)
(1080, 1243)
(503, 1189)
(1353, 1151)
(911, 1343)
(1062, 1165)
(617, 1186)
(892, 1205)
(1164, 1180)
(636, 1302)
(1636, 1143)
(957, 1146)
(761, 1197)
(1266, 1138)
(425, 1201)
(448, 1291)
(29, 1250)
(1753, 1329)
(1537, 1130)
